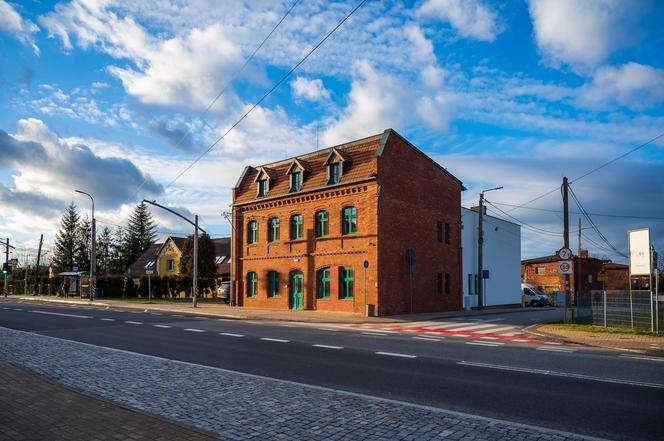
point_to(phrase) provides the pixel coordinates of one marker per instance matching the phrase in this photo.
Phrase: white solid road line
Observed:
(489, 342)
(426, 338)
(327, 346)
(482, 343)
(329, 329)
(277, 340)
(556, 349)
(394, 354)
(107, 319)
(560, 374)
(161, 326)
(133, 323)
(18, 309)
(373, 333)
(230, 334)
(62, 314)
(194, 330)
(641, 357)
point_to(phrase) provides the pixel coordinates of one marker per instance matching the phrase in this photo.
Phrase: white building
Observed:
(501, 256)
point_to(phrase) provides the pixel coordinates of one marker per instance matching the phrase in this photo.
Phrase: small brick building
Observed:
(305, 226)
(618, 276)
(542, 272)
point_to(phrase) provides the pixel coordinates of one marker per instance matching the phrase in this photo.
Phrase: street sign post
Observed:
(366, 265)
(149, 273)
(564, 267)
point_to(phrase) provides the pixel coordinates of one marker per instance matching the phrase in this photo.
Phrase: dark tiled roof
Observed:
(138, 267)
(615, 266)
(222, 248)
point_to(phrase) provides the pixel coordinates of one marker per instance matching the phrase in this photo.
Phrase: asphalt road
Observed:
(594, 392)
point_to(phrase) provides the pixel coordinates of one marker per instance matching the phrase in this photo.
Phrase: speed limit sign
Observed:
(564, 267)
(564, 253)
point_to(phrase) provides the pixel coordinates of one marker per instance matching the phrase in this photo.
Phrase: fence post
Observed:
(605, 308)
(631, 309)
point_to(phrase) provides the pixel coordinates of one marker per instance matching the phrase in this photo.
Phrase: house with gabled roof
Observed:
(356, 227)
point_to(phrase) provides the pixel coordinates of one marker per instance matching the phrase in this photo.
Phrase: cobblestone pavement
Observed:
(246, 407)
(32, 408)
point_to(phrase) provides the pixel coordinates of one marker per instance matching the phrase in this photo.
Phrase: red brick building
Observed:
(618, 276)
(305, 226)
(542, 272)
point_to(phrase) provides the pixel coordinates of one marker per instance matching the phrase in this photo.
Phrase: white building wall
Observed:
(502, 257)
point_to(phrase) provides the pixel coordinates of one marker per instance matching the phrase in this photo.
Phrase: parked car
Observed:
(532, 296)
(224, 292)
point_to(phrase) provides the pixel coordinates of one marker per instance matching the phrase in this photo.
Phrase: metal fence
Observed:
(621, 309)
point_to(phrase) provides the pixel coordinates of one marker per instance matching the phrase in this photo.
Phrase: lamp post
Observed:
(93, 251)
(196, 228)
(480, 245)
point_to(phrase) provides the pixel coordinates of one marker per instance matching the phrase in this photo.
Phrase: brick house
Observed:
(304, 227)
(542, 272)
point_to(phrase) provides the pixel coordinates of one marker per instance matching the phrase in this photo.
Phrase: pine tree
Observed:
(83, 244)
(140, 234)
(65, 240)
(117, 262)
(104, 248)
(206, 257)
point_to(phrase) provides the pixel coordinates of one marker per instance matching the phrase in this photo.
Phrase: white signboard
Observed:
(564, 267)
(639, 252)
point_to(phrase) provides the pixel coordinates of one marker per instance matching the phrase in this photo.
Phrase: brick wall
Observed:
(415, 194)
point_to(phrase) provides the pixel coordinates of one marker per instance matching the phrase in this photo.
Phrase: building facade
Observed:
(542, 272)
(501, 256)
(372, 222)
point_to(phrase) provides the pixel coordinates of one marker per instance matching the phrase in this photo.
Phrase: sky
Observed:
(116, 98)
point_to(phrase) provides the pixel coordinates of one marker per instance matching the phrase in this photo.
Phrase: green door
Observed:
(296, 288)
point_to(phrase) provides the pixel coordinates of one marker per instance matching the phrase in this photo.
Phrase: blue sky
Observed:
(110, 97)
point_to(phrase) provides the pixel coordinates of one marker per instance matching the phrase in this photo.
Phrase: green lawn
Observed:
(593, 328)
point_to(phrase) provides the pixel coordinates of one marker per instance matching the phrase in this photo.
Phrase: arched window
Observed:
(296, 227)
(273, 229)
(252, 232)
(349, 220)
(252, 284)
(323, 283)
(322, 224)
(272, 283)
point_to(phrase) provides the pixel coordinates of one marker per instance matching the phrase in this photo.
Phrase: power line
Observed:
(231, 80)
(576, 212)
(592, 223)
(640, 146)
(283, 78)
(553, 233)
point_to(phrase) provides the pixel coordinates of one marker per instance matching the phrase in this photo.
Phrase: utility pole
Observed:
(579, 251)
(25, 275)
(41, 240)
(480, 249)
(93, 251)
(566, 240)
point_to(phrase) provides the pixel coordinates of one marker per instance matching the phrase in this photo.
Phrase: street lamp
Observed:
(93, 251)
(480, 245)
(196, 228)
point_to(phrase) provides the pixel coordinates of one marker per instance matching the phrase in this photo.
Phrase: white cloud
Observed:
(632, 85)
(470, 18)
(12, 23)
(582, 34)
(312, 90)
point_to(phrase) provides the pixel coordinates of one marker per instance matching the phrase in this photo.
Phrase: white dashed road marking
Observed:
(133, 323)
(374, 333)
(550, 349)
(394, 354)
(230, 334)
(194, 330)
(61, 314)
(640, 357)
(107, 319)
(161, 326)
(482, 343)
(277, 340)
(328, 346)
(328, 329)
(426, 338)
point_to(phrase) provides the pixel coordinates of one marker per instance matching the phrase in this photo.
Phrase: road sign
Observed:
(603, 276)
(366, 264)
(149, 272)
(564, 267)
(564, 253)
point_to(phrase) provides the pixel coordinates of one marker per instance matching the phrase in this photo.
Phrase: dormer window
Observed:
(296, 172)
(262, 188)
(337, 162)
(335, 173)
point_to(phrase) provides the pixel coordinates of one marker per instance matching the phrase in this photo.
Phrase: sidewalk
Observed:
(645, 343)
(244, 313)
(33, 408)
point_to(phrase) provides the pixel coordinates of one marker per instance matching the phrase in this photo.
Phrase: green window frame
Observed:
(346, 283)
(296, 227)
(273, 229)
(349, 220)
(322, 223)
(323, 283)
(252, 284)
(334, 172)
(296, 182)
(252, 232)
(272, 284)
